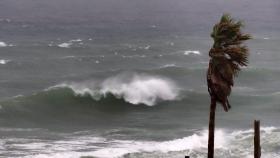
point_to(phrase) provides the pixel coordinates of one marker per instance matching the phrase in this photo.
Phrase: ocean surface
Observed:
(127, 79)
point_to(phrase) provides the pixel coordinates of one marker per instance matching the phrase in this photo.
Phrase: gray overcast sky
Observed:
(174, 14)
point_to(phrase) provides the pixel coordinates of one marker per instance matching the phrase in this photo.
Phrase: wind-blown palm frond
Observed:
(228, 44)
(228, 54)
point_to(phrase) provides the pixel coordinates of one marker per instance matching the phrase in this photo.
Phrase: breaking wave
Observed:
(234, 144)
(135, 89)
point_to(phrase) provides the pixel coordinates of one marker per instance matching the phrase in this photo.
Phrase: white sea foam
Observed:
(192, 142)
(3, 61)
(118, 148)
(188, 52)
(153, 26)
(76, 40)
(140, 89)
(145, 47)
(69, 43)
(226, 143)
(3, 44)
(69, 56)
(19, 129)
(65, 45)
(134, 56)
(168, 65)
(134, 89)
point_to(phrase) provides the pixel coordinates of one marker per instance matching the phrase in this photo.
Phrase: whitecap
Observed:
(65, 45)
(3, 44)
(153, 26)
(188, 52)
(140, 89)
(133, 56)
(147, 47)
(3, 61)
(168, 65)
(69, 56)
(76, 40)
(134, 89)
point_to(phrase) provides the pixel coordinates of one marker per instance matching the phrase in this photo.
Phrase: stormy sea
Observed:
(127, 79)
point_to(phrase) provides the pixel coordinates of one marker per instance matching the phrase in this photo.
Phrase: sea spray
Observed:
(140, 89)
(134, 89)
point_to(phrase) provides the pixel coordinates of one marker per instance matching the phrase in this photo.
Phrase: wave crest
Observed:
(135, 89)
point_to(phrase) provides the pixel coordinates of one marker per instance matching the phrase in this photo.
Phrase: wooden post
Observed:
(211, 134)
(257, 146)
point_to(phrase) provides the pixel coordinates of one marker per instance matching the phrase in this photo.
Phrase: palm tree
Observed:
(227, 55)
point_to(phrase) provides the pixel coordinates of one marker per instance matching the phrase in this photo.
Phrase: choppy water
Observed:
(127, 79)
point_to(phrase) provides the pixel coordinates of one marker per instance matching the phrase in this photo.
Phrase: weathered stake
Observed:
(257, 146)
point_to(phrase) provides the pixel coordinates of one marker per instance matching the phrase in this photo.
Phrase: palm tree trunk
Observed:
(211, 134)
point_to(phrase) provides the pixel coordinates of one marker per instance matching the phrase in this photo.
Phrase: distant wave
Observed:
(135, 89)
(3, 61)
(69, 43)
(65, 45)
(134, 56)
(168, 65)
(232, 144)
(3, 44)
(76, 40)
(188, 52)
